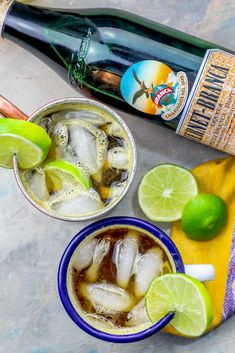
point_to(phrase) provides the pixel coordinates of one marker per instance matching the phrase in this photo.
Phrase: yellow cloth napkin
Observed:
(217, 177)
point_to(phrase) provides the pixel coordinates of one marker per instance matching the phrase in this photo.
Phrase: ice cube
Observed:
(83, 144)
(89, 116)
(118, 189)
(60, 135)
(100, 321)
(88, 142)
(113, 129)
(83, 203)
(124, 255)
(36, 181)
(149, 265)
(45, 123)
(58, 116)
(106, 298)
(101, 250)
(118, 158)
(83, 257)
(48, 122)
(138, 315)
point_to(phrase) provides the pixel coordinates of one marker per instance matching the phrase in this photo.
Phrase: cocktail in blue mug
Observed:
(105, 272)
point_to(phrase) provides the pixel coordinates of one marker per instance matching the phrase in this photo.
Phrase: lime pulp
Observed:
(164, 191)
(28, 141)
(188, 298)
(60, 170)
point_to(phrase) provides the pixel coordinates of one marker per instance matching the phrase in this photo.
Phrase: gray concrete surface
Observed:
(32, 319)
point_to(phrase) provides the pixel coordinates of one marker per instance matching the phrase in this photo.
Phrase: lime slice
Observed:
(184, 295)
(60, 170)
(27, 140)
(164, 191)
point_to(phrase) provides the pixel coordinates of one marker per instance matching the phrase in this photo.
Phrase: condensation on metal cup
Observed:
(9, 110)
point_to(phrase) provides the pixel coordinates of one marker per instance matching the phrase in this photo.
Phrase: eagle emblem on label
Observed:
(153, 88)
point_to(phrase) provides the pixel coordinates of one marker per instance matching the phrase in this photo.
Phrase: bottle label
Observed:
(4, 7)
(209, 114)
(153, 88)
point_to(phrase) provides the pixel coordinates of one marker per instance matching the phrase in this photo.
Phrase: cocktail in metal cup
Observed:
(7, 109)
(70, 302)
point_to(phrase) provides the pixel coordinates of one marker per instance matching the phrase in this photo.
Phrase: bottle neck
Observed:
(4, 8)
(23, 20)
(48, 34)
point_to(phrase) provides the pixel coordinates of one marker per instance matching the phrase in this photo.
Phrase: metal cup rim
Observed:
(71, 100)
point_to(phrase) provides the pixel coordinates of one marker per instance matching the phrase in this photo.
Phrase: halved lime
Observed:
(60, 170)
(165, 190)
(184, 295)
(27, 140)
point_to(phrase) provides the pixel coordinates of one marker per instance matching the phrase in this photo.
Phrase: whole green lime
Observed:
(204, 216)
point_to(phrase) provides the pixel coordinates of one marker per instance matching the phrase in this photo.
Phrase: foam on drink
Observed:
(108, 293)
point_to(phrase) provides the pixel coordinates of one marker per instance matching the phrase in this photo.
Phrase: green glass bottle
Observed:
(126, 61)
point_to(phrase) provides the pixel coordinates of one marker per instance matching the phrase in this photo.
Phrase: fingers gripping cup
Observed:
(105, 273)
(91, 162)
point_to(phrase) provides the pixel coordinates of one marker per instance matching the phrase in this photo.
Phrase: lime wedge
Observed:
(184, 295)
(60, 170)
(27, 140)
(164, 191)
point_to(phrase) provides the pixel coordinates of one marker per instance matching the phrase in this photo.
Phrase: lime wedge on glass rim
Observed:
(60, 170)
(188, 298)
(28, 141)
(164, 191)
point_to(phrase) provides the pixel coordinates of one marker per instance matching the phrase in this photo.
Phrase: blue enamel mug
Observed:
(71, 304)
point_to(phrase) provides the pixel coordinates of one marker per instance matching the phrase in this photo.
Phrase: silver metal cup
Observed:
(8, 110)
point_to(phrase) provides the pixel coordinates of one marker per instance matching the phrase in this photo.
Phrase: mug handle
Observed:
(202, 272)
(9, 110)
